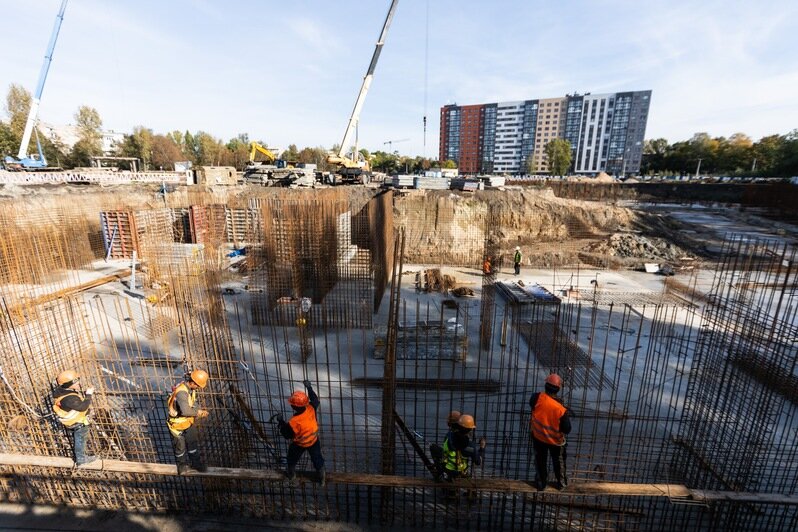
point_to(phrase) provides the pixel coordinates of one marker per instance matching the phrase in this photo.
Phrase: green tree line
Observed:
(738, 155)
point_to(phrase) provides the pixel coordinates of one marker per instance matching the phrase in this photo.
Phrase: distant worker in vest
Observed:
(459, 449)
(183, 412)
(436, 450)
(303, 431)
(548, 425)
(487, 266)
(70, 406)
(517, 260)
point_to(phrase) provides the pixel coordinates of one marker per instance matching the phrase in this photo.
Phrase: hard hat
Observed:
(67, 377)
(467, 422)
(298, 398)
(518, 248)
(554, 380)
(199, 377)
(453, 417)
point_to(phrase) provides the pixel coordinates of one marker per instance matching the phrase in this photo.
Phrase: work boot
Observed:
(89, 458)
(561, 484)
(540, 484)
(182, 469)
(199, 465)
(322, 477)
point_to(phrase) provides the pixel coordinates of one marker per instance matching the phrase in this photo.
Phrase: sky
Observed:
(289, 72)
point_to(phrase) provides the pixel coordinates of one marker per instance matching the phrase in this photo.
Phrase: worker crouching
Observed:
(71, 407)
(303, 431)
(458, 449)
(183, 412)
(548, 426)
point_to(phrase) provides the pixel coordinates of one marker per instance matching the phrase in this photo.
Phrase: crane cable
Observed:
(426, 76)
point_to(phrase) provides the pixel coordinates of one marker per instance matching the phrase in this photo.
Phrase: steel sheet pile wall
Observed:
(625, 360)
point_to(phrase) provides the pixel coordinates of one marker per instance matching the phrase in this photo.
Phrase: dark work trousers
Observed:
(79, 435)
(186, 446)
(557, 452)
(295, 453)
(517, 268)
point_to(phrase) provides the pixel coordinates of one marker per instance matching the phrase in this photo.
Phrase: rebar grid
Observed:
(625, 362)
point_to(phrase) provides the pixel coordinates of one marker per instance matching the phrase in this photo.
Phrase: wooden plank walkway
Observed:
(675, 492)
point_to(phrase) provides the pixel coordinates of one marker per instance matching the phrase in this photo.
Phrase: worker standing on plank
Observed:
(303, 431)
(548, 426)
(70, 407)
(487, 267)
(436, 450)
(183, 412)
(459, 448)
(517, 260)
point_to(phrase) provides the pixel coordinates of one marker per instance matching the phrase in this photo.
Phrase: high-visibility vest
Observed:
(70, 418)
(517, 257)
(486, 267)
(453, 459)
(545, 420)
(305, 427)
(176, 422)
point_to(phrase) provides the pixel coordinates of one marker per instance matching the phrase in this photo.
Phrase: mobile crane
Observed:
(23, 161)
(354, 168)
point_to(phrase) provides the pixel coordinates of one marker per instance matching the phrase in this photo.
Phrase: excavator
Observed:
(352, 166)
(274, 171)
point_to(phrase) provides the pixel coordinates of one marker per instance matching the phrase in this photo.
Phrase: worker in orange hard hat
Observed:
(548, 425)
(303, 431)
(71, 406)
(183, 412)
(436, 450)
(458, 449)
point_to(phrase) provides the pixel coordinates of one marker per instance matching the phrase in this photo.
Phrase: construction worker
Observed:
(70, 407)
(183, 411)
(303, 431)
(548, 425)
(436, 450)
(487, 267)
(458, 448)
(517, 260)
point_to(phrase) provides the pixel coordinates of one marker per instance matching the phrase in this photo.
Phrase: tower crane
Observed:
(351, 168)
(22, 157)
(390, 143)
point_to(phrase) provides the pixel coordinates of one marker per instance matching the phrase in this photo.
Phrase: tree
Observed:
(9, 143)
(291, 153)
(531, 167)
(138, 144)
(88, 123)
(449, 164)
(18, 102)
(165, 152)
(558, 152)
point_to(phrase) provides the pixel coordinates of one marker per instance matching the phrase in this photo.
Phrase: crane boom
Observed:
(364, 88)
(34, 106)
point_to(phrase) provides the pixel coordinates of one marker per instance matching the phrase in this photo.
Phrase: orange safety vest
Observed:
(175, 421)
(545, 420)
(486, 267)
(70, 418)
(305, 427)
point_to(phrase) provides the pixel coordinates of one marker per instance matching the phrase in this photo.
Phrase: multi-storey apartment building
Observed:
(606, 133)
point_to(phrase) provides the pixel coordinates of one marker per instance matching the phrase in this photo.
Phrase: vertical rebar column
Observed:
(490, 267)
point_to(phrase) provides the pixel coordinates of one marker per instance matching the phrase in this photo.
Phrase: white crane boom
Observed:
(350, 129)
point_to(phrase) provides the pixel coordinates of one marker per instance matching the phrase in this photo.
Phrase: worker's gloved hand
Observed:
(483, 443)
(89, 390)
(306, 383)
(202, 413)
(280, 418)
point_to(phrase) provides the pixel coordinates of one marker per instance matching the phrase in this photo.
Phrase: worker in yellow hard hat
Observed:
(459, 449)
(303, 431)
(182, 412)
(71, 406)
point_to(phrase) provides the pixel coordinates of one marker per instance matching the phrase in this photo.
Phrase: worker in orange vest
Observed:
(183, 412)
(487, 267)
(548, 426)
(303, 431)
(70, 406)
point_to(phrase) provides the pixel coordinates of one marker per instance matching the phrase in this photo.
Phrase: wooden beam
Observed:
(581, 489)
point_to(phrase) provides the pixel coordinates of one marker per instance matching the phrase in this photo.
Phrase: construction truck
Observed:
(351, 166)
(275, 172)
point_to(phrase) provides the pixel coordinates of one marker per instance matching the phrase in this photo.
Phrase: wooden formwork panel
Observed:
(120, 236)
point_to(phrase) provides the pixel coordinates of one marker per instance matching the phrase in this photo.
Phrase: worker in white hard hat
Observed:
(517, 260)
(70, 405)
